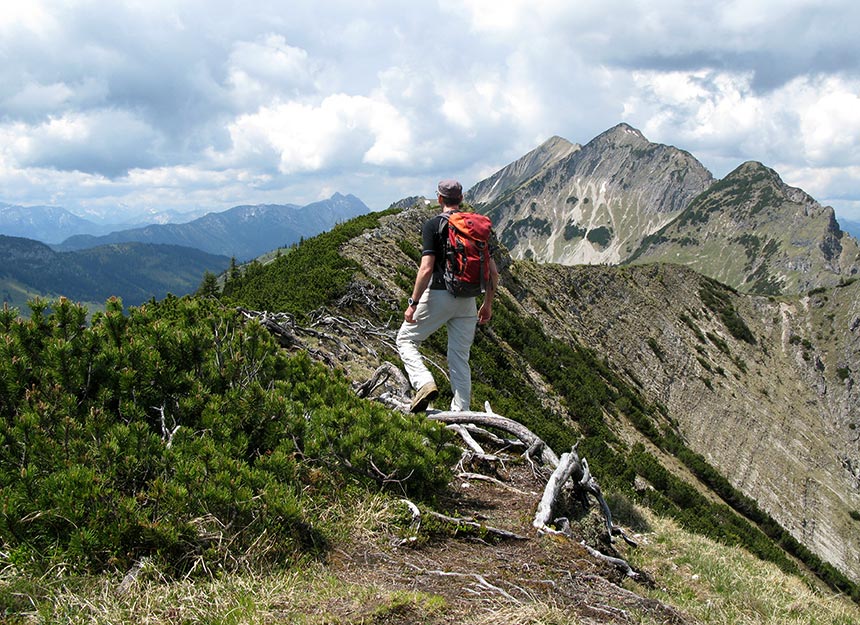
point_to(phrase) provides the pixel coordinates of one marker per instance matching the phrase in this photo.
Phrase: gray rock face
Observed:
(778, 416)
(520, 171)
(596, 204)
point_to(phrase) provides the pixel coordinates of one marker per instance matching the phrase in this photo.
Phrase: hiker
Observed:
(431, 306)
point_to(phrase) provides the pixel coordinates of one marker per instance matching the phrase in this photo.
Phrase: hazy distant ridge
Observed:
(243, 232)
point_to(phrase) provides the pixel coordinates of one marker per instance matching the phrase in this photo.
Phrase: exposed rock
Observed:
(596, 204)
(521, 170)
(757, 234)
(757, 410)
(622, 199)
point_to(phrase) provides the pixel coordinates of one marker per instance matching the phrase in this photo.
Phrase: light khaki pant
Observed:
(460, 315)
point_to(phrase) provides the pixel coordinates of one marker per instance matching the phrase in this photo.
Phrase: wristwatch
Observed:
(410, 302)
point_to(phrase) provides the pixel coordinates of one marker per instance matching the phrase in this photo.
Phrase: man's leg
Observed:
(461, 333)
(430, 315)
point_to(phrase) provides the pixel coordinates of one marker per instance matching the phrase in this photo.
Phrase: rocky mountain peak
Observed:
(521, 171)
(594, 204)
(621, 134)
(622, 199)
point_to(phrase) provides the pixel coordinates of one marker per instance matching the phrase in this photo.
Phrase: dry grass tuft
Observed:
(722, 585)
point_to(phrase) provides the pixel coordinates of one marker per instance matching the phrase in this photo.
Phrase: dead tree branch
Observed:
(480, 579)
(499, 422)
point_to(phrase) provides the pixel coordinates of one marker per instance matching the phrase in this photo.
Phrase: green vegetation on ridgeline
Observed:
(591, 390)
(309, 275)
(181, 432)
(716, 297)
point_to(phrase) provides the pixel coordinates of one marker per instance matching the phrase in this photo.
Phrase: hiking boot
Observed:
(423, 397)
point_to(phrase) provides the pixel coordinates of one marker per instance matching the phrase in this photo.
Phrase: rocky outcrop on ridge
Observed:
(757, 234)
(596, 204)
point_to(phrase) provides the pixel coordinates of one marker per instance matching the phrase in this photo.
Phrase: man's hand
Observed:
(485, 312)
(409, 315)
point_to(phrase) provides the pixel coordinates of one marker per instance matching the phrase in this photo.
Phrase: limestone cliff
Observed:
(596, 204)
(754, 232)
(777, 410)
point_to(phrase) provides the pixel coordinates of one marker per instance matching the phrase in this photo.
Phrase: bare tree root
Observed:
(384, 373)
(457, 524)
(481, 581)
(490, 419)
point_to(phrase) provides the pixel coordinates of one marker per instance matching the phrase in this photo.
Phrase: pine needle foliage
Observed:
(178, 431)
(310, 275)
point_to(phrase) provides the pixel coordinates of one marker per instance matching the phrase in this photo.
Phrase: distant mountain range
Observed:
(151, 261)
(243, 232)
(135, 272)
(54, 224)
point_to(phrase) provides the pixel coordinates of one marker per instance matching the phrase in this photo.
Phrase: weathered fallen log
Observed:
(567, 464)
(384, 373)
(489, 419)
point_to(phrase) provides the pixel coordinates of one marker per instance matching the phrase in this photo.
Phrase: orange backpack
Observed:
(467, 252)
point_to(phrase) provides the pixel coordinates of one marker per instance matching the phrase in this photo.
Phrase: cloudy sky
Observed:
(115, 108)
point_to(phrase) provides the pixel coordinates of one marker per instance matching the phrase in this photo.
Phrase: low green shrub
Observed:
(180, 432)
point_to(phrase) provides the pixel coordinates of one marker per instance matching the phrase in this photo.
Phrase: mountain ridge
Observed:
(764, 389)
(135, 272)
(596, 204)
(756, 233)
(243, 232)
(622, 199)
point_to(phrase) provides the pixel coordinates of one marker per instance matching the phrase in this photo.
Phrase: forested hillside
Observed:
(134, 272)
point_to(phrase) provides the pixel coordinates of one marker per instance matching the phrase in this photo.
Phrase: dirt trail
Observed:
(482, 575)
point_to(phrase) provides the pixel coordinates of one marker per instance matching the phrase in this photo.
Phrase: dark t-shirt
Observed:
(432, 243)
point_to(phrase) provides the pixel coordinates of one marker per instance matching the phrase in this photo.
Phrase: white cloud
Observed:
(262, 70)
(341, 130)
(107, 142)
(256, 101)
(806, 122)
(26, 17)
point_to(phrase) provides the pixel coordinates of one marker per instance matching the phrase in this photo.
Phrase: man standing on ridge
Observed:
(431, 306)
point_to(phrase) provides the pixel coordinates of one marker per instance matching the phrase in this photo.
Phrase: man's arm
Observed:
(486, 310)
(422, 281)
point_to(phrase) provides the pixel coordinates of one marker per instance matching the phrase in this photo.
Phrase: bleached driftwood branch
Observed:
(489, 419)
(566, 466)
(480, 579)
(384, 373)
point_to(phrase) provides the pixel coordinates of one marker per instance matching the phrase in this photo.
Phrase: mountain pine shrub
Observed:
(308, 276)
(180, 432)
